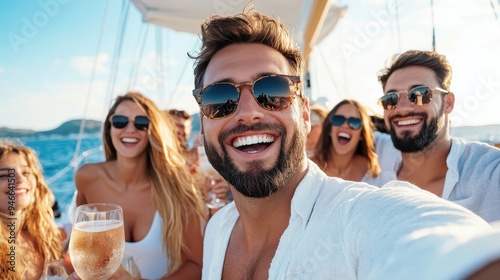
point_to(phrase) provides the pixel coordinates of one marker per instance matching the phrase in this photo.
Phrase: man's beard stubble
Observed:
(428, 133)
(257, 182)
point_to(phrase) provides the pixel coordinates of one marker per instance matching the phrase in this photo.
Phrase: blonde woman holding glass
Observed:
(145, 173)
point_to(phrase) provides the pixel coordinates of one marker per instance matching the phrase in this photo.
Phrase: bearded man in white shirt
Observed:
(288, 219)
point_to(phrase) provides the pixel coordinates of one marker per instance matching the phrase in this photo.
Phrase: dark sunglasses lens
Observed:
(219, 100)
(420, 95)
(337, 120)
(141, 122)
(273, 93)
(354, 123)
(389, 101)
(119, 121)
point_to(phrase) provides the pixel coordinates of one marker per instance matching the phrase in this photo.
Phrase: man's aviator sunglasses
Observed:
(273, 93)
(140, 122)
(338, 120)
(418, 95)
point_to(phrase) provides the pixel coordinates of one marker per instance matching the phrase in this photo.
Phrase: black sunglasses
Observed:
(338, 120)
(418, 95)
(273, 93)
(140, 122)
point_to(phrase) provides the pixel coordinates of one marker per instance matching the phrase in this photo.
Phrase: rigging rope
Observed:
(117, 52)
(175, 95)
(137, 57)
(330, 74)
(494, 10)
(433, 27)
(141, 53)
(89, 91)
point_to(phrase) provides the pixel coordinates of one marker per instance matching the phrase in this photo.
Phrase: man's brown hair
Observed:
(430, 59)
(219, 32)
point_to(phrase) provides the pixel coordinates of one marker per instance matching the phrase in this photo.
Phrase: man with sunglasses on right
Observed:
(416, 103)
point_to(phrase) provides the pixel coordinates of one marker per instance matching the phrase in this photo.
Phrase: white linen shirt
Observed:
(472, 179)
(346, 230)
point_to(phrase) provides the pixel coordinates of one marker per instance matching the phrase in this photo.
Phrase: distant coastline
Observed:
(65, 129)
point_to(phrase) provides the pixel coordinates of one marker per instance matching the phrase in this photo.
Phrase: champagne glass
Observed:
(97, 242)
(209, 171)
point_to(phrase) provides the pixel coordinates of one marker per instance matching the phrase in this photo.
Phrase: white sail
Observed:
(309, 20)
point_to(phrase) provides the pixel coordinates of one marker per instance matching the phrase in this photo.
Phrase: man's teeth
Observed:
(408, 122)
(129, 140)
(252, 140)
(345, 135)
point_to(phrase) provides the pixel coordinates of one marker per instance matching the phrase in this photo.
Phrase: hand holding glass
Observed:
(97, 240)
(208, 170)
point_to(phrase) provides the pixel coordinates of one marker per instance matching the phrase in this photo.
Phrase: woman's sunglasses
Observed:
(273, 93)
(338, 120)
(140, 122)
(418, 95)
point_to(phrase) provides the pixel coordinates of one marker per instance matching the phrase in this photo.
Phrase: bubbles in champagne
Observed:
(96, 248)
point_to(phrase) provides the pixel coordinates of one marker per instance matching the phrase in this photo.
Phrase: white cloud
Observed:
(85, 64)
(55, 103)
(2, 70)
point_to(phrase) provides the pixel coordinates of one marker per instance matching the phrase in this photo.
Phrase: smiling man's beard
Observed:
(257, 182)
(428, 133)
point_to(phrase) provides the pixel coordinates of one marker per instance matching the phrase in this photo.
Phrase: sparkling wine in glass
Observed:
(209, 171)
(97, 240)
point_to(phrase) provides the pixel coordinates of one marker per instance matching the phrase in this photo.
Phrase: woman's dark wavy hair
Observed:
(366, 145)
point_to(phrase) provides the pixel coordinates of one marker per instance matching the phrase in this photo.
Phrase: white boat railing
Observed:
(74, 164)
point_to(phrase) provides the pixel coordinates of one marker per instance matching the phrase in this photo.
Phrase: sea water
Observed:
(56, 155)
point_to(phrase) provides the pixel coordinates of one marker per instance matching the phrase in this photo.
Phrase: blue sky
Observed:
(47, 54)
(48, 49)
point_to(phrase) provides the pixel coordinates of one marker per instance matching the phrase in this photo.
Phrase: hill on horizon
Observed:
(66, 128)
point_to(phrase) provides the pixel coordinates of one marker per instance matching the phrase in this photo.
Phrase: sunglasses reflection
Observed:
(352, 122)
(273, 92)
(419, 96)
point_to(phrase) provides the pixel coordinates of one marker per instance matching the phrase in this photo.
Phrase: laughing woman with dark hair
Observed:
(346, 146)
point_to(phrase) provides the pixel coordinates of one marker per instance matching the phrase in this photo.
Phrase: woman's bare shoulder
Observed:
(360, 162)
(90, 169)
(91, 172)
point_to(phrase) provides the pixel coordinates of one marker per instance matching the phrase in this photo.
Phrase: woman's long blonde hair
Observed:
(37, 219)
(173, 191)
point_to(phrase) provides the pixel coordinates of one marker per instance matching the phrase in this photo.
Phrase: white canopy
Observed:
(309, 20)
